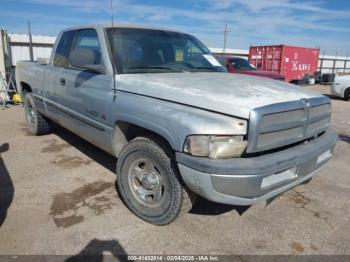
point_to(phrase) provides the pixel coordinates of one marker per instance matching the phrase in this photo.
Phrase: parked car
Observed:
(341, 86)
(242, 66)
(178, 124)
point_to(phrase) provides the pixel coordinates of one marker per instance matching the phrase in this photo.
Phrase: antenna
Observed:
(113, 69)
(226, 31)
(112, 13)
(30, 42)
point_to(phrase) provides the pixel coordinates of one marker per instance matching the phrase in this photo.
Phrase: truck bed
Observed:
(31, 73)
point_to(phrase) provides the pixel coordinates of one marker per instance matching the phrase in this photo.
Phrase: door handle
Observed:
(62, 81)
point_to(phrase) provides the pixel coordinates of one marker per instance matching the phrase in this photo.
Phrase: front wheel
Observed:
(149, 183)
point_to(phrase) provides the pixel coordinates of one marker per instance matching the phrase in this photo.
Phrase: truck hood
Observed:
(262, 73)
(226, 93)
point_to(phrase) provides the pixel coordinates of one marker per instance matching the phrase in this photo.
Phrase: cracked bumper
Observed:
(245, 181)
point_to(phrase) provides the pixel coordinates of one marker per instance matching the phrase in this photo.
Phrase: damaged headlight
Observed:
(215, 147)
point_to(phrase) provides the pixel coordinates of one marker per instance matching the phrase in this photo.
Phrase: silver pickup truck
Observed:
(179, 125)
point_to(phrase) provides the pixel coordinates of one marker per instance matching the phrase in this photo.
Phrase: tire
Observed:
(149, 182)
(347, 94)
(36, 122)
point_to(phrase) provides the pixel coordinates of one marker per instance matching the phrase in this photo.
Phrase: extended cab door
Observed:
(52, 90)
(85, 95)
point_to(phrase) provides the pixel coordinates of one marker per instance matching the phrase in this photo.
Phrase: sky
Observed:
(311, 23)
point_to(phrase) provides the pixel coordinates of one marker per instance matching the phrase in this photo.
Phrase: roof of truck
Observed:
(120, 25)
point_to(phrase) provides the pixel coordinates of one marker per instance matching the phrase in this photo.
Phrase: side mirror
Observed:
(85, 59)
(100, 69)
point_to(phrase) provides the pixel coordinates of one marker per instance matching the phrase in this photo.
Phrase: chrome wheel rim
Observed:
(146, 182)
(30, 113)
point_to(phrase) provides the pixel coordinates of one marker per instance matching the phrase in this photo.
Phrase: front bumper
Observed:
(239, 181)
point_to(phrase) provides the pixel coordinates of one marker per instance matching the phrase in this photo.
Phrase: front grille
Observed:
(317, 127)
(283, 124)
(282, 117)
(280, 136)
(319, 110)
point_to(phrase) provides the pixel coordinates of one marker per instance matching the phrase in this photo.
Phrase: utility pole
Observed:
(30, 43)
(112, 13)
(226, 31)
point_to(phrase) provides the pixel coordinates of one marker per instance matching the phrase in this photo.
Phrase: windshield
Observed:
(157, 51)
(241, 64)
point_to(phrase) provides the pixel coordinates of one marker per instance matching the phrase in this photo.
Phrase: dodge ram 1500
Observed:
(177, 122)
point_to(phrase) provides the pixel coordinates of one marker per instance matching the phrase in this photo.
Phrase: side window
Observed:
(88, 39)
(62, 51)
(239, 64)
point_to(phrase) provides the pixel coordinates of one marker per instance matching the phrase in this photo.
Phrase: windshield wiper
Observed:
(205, 67)
(153, 67)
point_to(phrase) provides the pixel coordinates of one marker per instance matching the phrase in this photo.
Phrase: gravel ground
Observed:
(57, 196)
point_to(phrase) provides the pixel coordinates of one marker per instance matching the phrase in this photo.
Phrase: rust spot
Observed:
(297, 247)
(54, 147)
(313, 247)
(69, 162)
(65, 206)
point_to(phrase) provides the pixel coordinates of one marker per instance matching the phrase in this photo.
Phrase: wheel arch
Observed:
(126, 130)
(25, 88)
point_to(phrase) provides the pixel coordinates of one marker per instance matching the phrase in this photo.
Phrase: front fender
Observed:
(173, 121)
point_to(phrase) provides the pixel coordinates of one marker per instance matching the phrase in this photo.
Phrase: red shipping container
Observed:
(290, 61)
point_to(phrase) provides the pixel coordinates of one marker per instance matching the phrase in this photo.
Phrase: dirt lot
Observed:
(57, 196)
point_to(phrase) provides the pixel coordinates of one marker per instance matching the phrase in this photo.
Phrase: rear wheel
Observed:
(149, 183)
(36, 122)
(347, 94)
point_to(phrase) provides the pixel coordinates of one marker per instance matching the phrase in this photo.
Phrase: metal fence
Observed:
(19, 43)
(334, 64)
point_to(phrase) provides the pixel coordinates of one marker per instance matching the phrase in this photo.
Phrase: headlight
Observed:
(215, 147)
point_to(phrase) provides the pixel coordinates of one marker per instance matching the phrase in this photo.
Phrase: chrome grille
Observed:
(282, 124)
(280, 136)
(282, 117)
(317, 126)
(319, 110)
